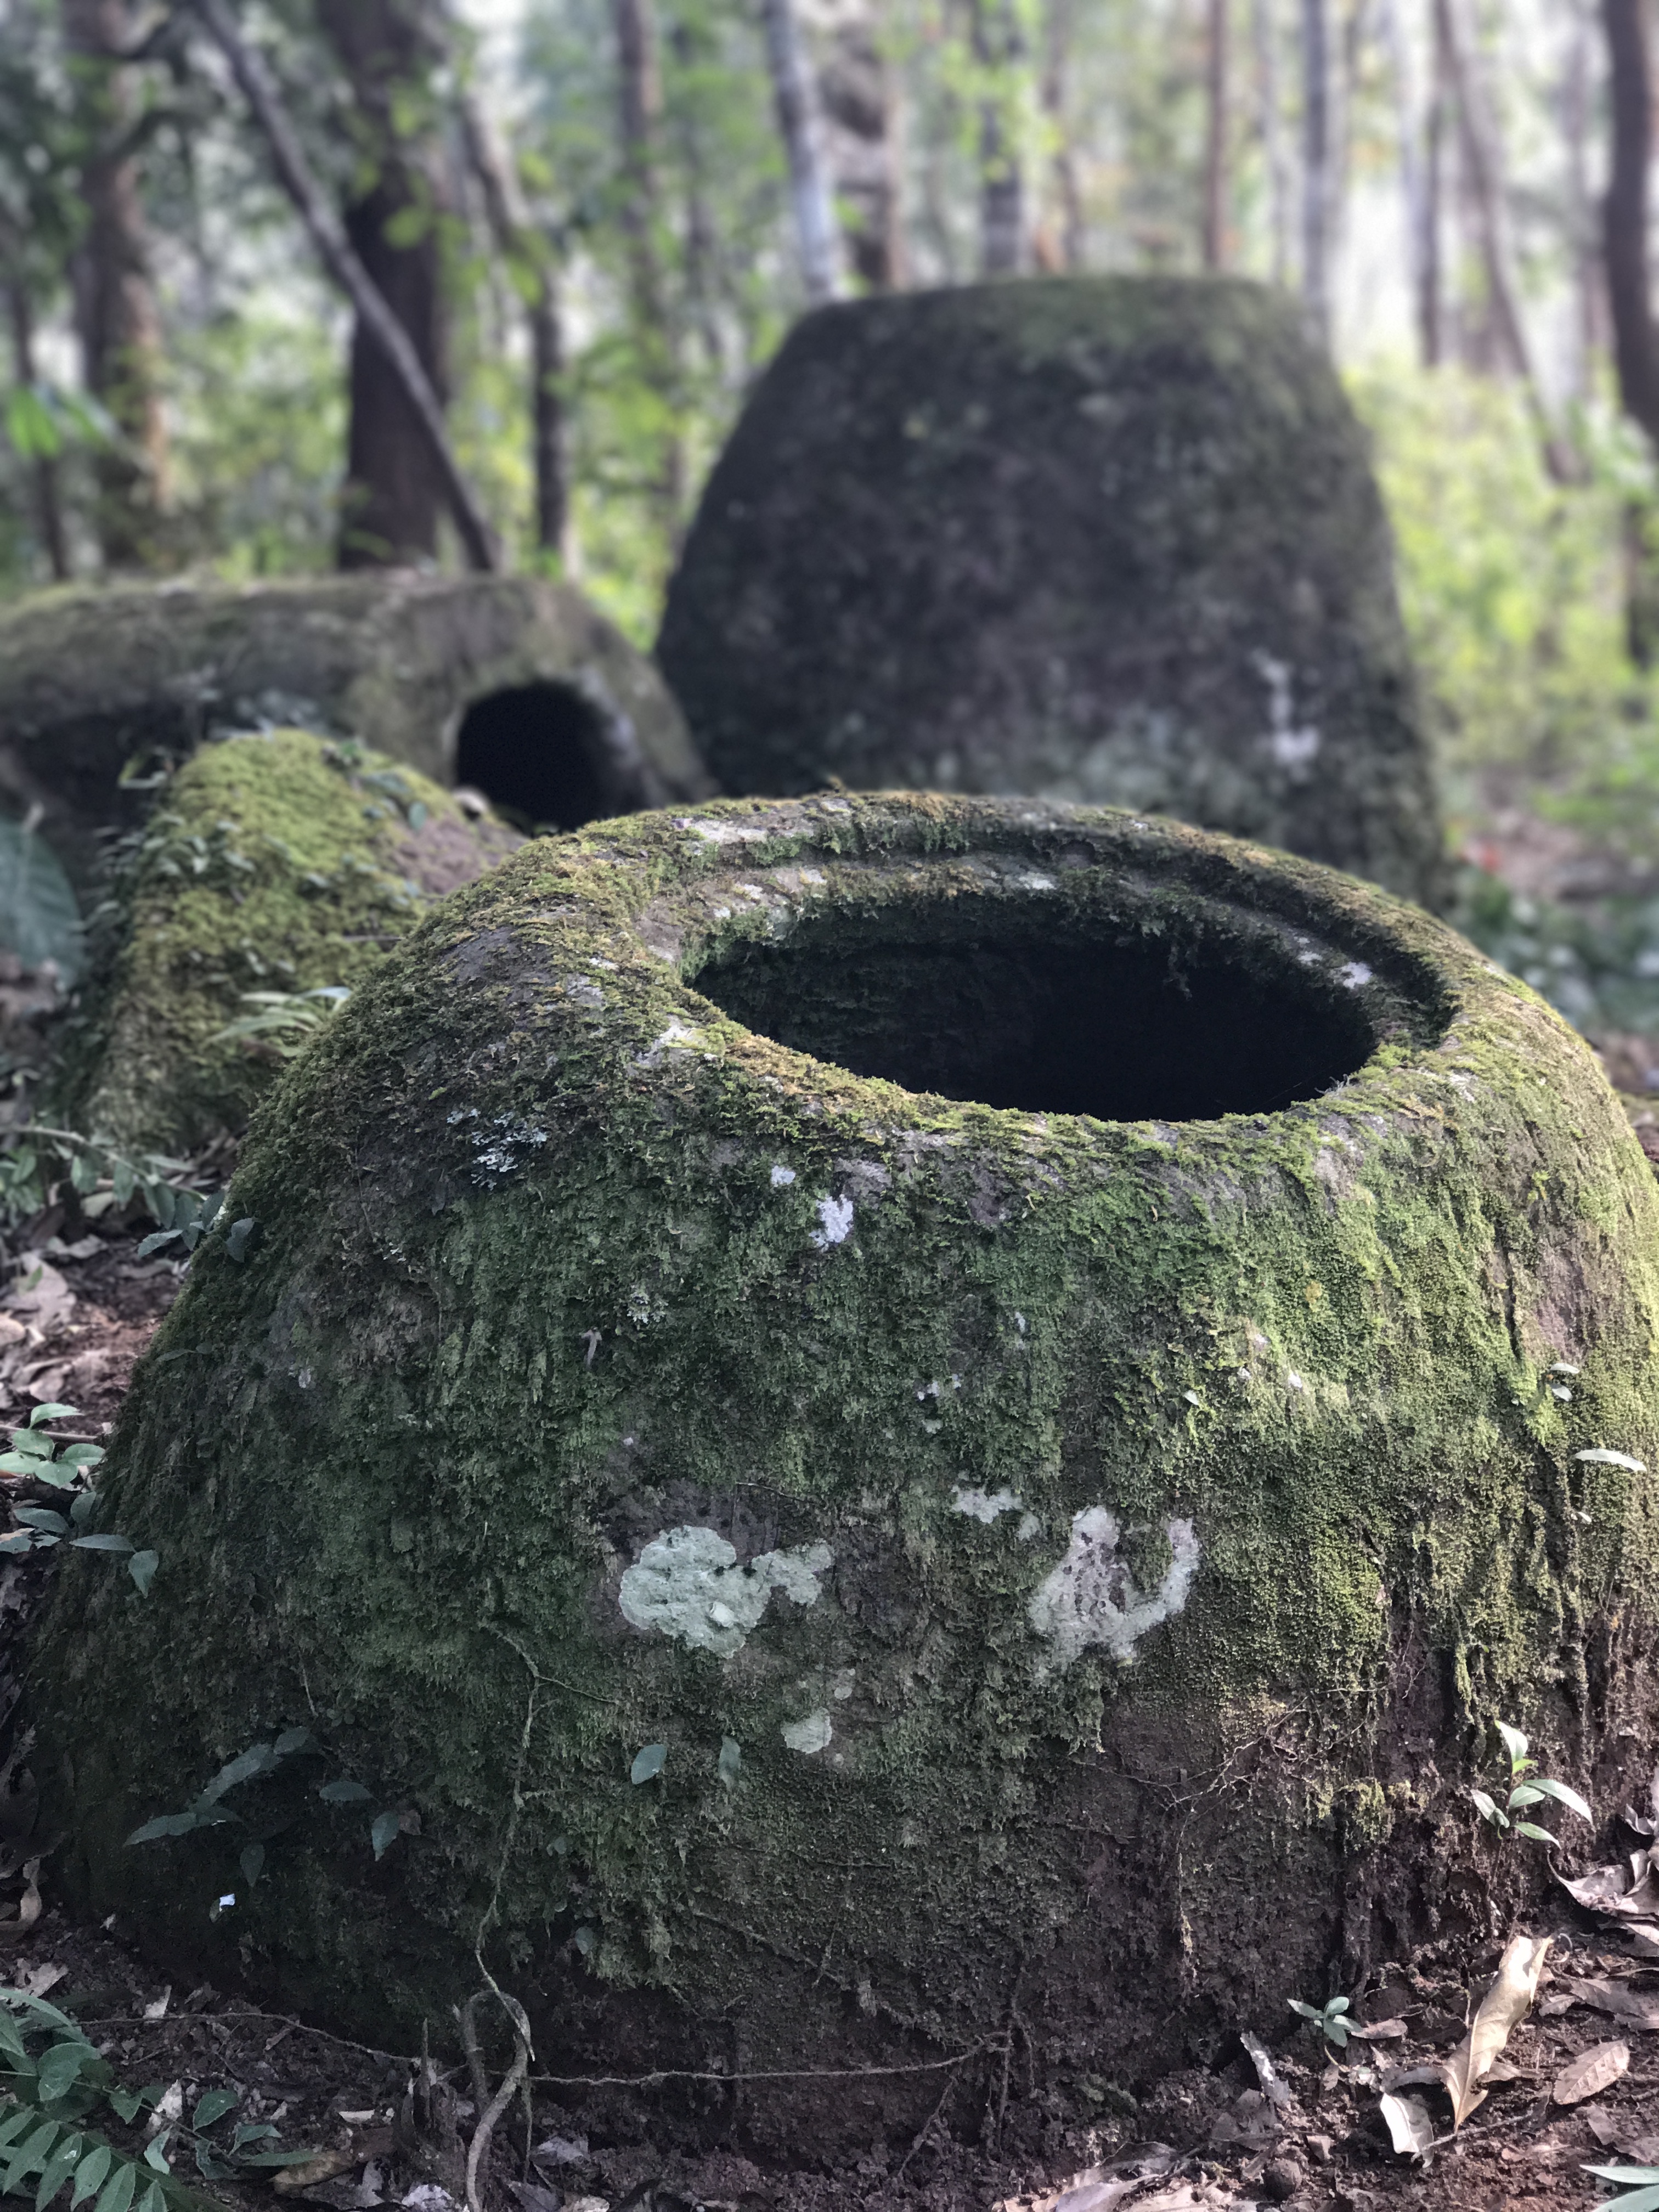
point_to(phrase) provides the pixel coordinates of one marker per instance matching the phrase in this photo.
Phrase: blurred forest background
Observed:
(596, 218)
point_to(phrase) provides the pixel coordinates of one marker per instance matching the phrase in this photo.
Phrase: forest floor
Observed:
(1299, 2123)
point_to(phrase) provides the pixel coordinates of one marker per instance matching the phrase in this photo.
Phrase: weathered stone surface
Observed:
(1113, 540)
(874, 1409)
(91, 681)
(284, 862)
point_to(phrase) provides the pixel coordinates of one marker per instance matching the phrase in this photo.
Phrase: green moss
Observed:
(559, 1257)
(279, 862)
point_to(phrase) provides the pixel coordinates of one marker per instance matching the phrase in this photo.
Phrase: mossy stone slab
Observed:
(93, 681)
(865, 1411)
(284, 862)
(1110, 539)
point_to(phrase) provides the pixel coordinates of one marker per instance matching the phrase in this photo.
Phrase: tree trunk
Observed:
(42, 469)
(1577, 109)
(1273, 146)
(638, 116)
(860, 123)
(1215, 150)
(801, 128)
(1057, 53)
(1635, 343)
(393, 491)
(1482, 161)
(997, 46)
(529, 253)
(1430, 317)
(1413, 192)
(1316, 165)
(114, 302)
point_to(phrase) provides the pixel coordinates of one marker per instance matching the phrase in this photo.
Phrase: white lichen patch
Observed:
(1356, 975)
(687, 1584)
(723, 833)
(782, 1175)
(985, 1506)
(835, 1223)
(809, 1735)
(676, 1036)
(1091, 1598)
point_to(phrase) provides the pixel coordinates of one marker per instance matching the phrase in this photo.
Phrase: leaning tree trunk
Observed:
(861, 124)
(1635, 343)
(114, 300)
(394, 492)
(1490, 207)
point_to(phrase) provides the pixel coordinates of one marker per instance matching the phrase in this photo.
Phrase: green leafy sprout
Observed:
(209, 1809)
(1331, 2021)
(1527, 1788)
(1642, 2181)
(66, 1465)
(48, 2096)
(283, 1022)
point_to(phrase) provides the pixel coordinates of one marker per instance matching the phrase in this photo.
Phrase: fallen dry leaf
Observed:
(1590, 2073)
(1409, 2126)
(29, 1910)
(329, 2164)
(1505, 2004)
(1626, 1892)
(1612, 1998)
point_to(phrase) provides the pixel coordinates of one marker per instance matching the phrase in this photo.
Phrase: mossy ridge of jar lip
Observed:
(653, 899)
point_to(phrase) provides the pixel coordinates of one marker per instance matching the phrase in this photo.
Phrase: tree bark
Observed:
(1215, 149)
(1316, 165)
(1430, 301)
(335, 251)
(1412, 192)
(42, 469)
(393, 491)
(114, 299)
(1479, 140)
(1577, 105)
(1273, 146)
(800, 126)
(997, 47)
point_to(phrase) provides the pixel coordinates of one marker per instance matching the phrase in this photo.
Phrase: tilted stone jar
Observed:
(858, 1415)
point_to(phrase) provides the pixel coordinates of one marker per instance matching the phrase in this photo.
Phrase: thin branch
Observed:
(335, 253)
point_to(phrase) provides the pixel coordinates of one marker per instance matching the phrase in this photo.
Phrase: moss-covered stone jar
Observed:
(852, 1420)
(1108, 539)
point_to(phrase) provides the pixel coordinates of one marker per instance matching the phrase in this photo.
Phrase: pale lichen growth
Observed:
(687, 1584)
(1091, 1598)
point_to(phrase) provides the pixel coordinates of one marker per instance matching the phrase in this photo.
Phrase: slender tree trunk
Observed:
(861, 125)
(997, 48)
(1635, 343)
(1479, 139)
(1430, 317)
(800, 125)
(528, 253)
(394, 494)
(1316, 165)
(1274, 149)
(1412, 187)
(114, 300)
(1576, 110)
(639, 92)
(42, 469)
(1215, 148)
(1058, 24)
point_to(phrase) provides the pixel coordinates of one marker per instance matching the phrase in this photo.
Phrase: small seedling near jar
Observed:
(1330, 2020)
(1527, 1788)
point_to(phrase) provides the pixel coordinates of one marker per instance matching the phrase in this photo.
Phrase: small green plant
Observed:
(37, 1159)
(283, 1022)
(47, 2097)
(1331, 2021)
(1527, 1788)
(209, 1809)
(1642, 2181)
(66, 1465)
